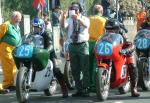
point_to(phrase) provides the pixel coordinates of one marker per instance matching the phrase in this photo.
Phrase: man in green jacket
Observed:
(10, 38)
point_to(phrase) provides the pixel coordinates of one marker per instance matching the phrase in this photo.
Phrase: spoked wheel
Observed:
(52, 88)
(125, 88)
(144, 75)
(22, 90)
(102, 84)
(68, 76)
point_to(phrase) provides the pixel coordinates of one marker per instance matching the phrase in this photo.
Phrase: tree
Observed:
(24, 6)
(130, 7)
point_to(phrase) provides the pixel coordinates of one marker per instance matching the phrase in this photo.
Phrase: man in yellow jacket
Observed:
(97, 28)
(9, 38)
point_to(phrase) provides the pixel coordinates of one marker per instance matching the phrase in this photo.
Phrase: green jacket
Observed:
(10, 34)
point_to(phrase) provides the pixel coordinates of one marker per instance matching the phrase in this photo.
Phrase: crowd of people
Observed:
(82, 34)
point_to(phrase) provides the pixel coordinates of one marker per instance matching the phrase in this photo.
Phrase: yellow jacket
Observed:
(97, 27)
(3, 29)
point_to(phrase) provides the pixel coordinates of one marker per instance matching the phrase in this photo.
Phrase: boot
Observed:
(133, 80)
(64, 88)
(134, 92)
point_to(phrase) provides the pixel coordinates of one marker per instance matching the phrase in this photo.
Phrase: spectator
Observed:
(96, 29)
(57, 31)
(10, 37)
(47, 23)
(77, 26)
(140, 16)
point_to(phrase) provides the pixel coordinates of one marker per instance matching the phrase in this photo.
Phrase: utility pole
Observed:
(0, 11)
(117, 9)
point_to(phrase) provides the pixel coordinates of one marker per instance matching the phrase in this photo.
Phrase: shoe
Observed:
(11, 88)
(4, 91)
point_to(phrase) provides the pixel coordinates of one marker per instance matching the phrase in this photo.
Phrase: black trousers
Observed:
(57, 72)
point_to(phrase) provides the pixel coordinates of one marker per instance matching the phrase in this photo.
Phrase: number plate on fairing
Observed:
(24, 51)
(142, 43)
(104, 48)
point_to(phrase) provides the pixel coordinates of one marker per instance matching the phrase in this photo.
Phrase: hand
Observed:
(122, 52)
(76, 17)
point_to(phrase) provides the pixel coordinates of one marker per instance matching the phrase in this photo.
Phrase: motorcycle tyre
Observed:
(101, 91)
(22, 74)
(67, 73)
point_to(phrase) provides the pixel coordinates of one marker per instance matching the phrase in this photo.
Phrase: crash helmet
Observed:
(38, 22)
(112, 24)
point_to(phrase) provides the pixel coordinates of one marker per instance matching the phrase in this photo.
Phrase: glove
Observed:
(122, 52)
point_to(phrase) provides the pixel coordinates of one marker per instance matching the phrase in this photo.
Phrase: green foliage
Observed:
(130, 7)
(24, 6)
(88, 4)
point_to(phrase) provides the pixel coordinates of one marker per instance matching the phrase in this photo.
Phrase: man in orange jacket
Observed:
(10, 37)
(140, 16)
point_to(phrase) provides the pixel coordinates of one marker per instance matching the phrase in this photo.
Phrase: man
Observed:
(57, 31)
(113, 26)
(146, 24)
(10, 38)
(39, 27)
(140, 16)
(96, 29)
(77, 26)
(48, 26)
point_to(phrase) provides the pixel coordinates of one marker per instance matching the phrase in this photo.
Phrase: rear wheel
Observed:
(102, 84)
(22, 90)
(68, 76)
(144, 75)
(52, 88)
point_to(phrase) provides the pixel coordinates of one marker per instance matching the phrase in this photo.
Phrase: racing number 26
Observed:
(105, 48)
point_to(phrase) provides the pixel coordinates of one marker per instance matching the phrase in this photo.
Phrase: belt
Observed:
(78, 43)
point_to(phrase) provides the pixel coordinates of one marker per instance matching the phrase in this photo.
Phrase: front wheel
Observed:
(102, 84)
(52, 88)
(22, 90)
(144, 75)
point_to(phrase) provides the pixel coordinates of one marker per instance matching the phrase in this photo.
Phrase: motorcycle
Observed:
(35, 69)
(112, 68)
(67, 68)
(142, 45)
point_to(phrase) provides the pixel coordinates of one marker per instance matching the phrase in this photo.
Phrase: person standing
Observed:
(78, 36)
(96, 29)
(10, 38)
(140, 16)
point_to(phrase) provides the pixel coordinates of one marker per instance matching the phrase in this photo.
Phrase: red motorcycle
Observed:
(112, 69)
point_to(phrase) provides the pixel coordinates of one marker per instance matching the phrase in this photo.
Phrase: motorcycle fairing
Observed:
(121, 73)
(142, 39)
(43, 77)
(142, 43)
(104, 48)
(24, 51)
